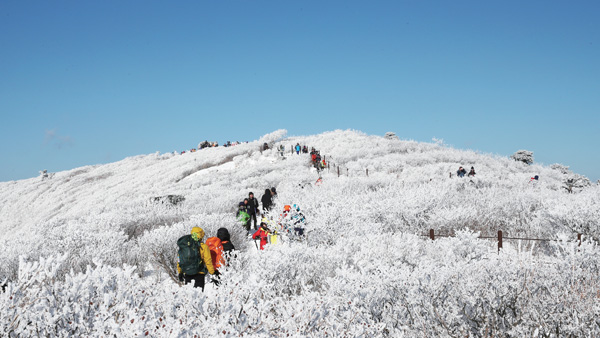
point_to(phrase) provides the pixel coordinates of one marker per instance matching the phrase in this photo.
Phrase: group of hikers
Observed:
(316, 160)
(206, 144)
(248, 209)
(297, 148)
(196, 258)
(461, 172)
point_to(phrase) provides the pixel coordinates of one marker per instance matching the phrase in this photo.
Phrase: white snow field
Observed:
(87, 252)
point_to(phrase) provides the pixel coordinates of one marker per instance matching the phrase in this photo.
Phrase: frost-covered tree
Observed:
(563, 169)
(576, 181)
(524, 156)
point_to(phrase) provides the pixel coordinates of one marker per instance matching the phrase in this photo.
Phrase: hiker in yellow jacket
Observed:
(194, 258)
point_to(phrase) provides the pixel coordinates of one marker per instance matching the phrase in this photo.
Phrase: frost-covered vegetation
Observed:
(91, 251)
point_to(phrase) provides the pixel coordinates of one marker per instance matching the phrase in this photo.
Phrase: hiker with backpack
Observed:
(461, 172)
(298, 220)
(220, 247)
(194, 258)
(267, 200)
(223, 235)
(252, 209)
(298, 148)
(220, 250)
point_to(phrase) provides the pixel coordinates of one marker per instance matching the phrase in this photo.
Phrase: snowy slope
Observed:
(363, 261)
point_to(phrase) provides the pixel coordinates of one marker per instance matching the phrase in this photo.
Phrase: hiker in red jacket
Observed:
(263, 233)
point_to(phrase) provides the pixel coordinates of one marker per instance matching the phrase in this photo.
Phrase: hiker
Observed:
(220, 247)
(284, 220)
(313, 156)
(298, 148)
(194, 259)
(461, 172)
(472, 172)
(220, 251)
(263, 234)
(265, 146)
(273, 195)
(317, 162)
(243, 214)
(305, 150)
(281, 149)
(223, 235)
(298, 220)
(252, 208)
(267, 200)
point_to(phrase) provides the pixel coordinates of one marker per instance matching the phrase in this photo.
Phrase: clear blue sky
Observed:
(89, 82)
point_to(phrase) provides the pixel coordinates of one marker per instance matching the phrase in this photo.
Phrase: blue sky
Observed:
(89, 82)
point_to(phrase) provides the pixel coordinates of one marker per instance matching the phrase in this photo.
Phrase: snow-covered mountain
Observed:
(90, 251)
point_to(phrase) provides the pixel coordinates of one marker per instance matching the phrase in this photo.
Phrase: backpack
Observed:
(190, 261)
(216, 251)
(243, 217)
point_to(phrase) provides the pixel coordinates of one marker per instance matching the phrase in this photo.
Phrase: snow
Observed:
(88, 252)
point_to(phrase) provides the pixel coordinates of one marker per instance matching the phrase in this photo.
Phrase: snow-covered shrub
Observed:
(575, 181)
(95, 257)
(391, 136)
(563, 169)
(273, 137)
(524, 156)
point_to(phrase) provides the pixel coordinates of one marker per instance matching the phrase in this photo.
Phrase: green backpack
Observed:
(190, 261)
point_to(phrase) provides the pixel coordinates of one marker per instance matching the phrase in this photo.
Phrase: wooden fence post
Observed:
(338, 168)
(579, 239)
(499, 240)
(347, 174)
(367, 172)
(431, 234)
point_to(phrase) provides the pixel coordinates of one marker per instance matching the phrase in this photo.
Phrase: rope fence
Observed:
(499, 238)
